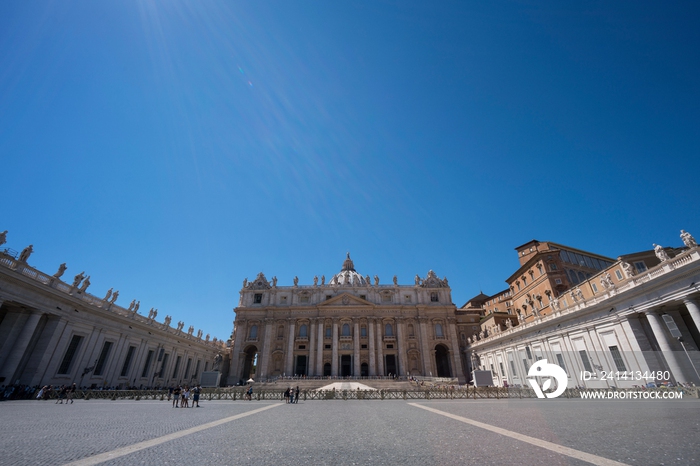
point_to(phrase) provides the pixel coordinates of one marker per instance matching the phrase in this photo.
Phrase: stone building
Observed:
(349, 325)
(53, 332)
(614, 321)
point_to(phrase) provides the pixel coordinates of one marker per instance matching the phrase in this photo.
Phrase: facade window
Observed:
(553, 267)
(595, 288)
(187, 368)
(102, 360)
(586, 362)
(386, 298)
(196, 369)
(503, 371)
(560, 361)
(283, 299)
(163, 365)
(407, 298)
(618, 274)
(329, 332)
(617, 358)
(388, 330)
(640, 266)
(434, 297)
(539, 268)
(362, 296)
(410, 330)
(363, 331)
(529, 353)
(524, 278)
(127, 361)
(512, 365)
(177, 366)
(328, 296)
(257, 298)
(280, 331)
(304, 299)
(147, 364)
(67, 362)
(303, 331)
(557, 281)
(438, 330)
(518, 285)
(346, 330)
(253, 332)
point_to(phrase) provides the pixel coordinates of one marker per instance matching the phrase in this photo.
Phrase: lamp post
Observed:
(676, 333)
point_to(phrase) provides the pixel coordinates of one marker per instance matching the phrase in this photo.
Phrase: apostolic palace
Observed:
(591, 315)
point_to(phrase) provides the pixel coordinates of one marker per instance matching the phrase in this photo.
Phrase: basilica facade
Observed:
(347, 326)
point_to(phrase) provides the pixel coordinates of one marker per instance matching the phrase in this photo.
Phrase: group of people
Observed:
(181, 396)
(291, 395)
(65, 392)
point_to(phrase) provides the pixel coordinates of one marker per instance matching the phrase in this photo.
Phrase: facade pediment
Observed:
(345, 299)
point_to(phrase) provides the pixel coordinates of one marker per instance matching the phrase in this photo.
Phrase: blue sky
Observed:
(171, 149)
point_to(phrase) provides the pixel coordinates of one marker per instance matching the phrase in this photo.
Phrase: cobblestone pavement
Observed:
(349, 432)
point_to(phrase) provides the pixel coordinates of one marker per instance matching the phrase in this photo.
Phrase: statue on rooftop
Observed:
(396, 280)
(628, 269)
(167, 320)
(78, 278)
(26, 252)
(315, 280)
(274, 281)
(323, 280)
(245, 282)
(3, 237)
(115, 295)
(417, 279)
(131, 305)
(660, 253)
(61, 268)
(86, 283)
(376, 280)
(296, 281)
(109, 295)
(687, 238)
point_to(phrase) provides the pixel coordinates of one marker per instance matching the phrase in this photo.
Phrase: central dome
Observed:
(348, 276)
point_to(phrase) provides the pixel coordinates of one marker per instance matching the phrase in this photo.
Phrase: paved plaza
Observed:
(551, 432)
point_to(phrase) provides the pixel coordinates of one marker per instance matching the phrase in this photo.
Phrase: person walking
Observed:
(70, 393)
(286, 396)
(296, 395)
(61, 395)
(249, 394)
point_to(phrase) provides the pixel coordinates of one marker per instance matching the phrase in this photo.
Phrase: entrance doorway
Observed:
(300, 368)
(250, 363)
(364, 370)
(442, 361)
(345, 365)
(327, 369)
(390, 364)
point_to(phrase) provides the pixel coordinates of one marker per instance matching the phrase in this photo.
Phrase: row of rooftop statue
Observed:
(82, 282)
(431, 280)
(576, 293)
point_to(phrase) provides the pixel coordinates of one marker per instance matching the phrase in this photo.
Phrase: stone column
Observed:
(356, 348)
(312, 340)
(113, 369)
(264, 355)
(372, 355)
(238, 337)
(289, 366)
(19, 346)
(456, 357)
(425, 349)
(665, 346)
(694, 310)
(380, 349)
(334, 362)
(401, 363)
(319, 349)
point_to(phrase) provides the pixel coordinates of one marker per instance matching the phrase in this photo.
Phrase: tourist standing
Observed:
(286, 395)
(195, 395)
(176, 396)
(296, 395)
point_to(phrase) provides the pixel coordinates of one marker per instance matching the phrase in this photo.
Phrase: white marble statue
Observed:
(207, 338)
(396, 280)
(660, 253)
(417, 280)
(131, 305)
(115, 295)
(687, 238)
(190, 330)
(376, 280)
(628, 269)
(296, 281)
(274, 281)
(315, 280)
(245, 282)
(136, 307)
(199, 333)
(167, 320)
(579, 293)
(554, 304)
(26, 252)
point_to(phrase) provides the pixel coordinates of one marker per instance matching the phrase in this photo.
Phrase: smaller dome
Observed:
(347, 275)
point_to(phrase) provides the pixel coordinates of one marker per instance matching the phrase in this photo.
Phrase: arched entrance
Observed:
(442, 361)
(327, 369)
(250, 363)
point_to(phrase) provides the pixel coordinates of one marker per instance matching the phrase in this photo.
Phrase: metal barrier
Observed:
(234, 394)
